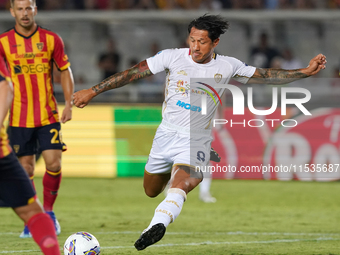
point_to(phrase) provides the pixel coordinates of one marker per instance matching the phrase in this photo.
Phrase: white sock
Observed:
(168, 210)
(206, 183)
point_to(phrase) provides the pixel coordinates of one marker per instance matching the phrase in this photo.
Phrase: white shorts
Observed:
(174, 146)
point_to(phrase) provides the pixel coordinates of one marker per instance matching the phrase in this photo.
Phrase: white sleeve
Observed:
(241, 71)
(160, 61)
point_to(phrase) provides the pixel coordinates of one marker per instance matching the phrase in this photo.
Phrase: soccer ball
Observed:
(81, 243)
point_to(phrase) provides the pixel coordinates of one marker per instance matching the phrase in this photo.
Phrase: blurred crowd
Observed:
(179, 4)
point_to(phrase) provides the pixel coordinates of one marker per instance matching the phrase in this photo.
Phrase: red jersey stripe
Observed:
(13, 46)
(24, 99)
(42, 37)
(36, 99)
(28, 45)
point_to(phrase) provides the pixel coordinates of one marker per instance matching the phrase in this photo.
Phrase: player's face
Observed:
(24, 11)
(201, 46)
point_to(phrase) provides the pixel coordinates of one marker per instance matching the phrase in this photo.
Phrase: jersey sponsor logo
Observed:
(29, 55)
(183, 87)
(32, 68)
(16, 45)
(209, 93)
(198, 92)
(40, 45)
(182, 72)
(188, 106)
(65, 58)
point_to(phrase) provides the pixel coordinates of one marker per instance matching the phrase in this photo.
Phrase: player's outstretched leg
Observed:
(166, 212)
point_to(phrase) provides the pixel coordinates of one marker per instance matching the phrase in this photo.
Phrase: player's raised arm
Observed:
(281, 76)
(139, 71)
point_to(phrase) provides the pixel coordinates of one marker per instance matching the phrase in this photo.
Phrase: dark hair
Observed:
(214, 24)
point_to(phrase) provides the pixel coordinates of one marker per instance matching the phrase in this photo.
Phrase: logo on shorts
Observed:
(16, 148)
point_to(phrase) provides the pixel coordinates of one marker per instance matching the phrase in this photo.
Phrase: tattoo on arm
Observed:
(276, 76)
(120, 79)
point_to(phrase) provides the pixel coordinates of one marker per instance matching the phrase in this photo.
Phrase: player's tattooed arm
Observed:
(281, 76)
(276, 76)
(120, 79)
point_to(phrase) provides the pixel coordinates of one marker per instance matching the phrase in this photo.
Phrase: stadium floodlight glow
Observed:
(238, 100)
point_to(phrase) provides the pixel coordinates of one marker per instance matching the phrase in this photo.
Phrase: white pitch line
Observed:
(205, 243)
(206, 233)
(220, 243)
(25, 251)
(253, 233)
(225, 233)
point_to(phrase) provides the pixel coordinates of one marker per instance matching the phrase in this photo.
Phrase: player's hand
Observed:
(316, 64)
(83, 97)
(67, 114)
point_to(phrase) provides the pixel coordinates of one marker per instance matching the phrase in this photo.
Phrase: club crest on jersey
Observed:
(183, 88)
(40, 46)
(218, 77)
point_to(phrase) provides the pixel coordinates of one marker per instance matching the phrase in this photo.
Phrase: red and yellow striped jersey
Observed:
(5, 149)
(29, 60)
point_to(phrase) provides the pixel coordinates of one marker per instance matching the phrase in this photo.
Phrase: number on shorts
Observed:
(55, 136)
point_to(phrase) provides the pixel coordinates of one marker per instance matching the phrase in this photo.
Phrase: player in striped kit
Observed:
(16, 190)
(29, 51)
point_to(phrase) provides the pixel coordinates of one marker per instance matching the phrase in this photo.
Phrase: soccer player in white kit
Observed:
(183, 139)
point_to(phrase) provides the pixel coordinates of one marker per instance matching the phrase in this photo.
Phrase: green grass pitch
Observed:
(250, 217)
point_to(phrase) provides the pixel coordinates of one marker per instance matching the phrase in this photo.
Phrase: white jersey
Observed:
(187, 81)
